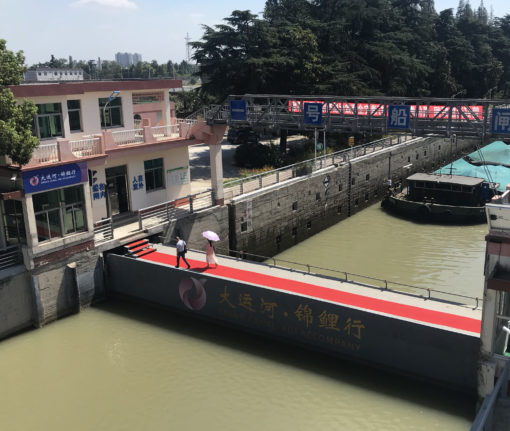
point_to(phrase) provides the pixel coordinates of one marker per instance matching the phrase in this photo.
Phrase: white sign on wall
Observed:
(177, 176)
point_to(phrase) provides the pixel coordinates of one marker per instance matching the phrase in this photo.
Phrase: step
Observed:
(135, 244)
(143, 253)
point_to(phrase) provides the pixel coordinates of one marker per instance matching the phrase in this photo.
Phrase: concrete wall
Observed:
(16, 301)
(191, 228)
(269, 221)
(34, 298)
(446, 357)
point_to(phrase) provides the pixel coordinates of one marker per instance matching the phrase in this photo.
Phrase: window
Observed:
(153, 174)
(48, 123)
(294, 206)
(111, 112)
(74, 111)
(59, 212)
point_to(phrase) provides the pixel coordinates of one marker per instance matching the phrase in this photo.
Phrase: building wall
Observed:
(91, 116)
(139, 198)
(269, 221)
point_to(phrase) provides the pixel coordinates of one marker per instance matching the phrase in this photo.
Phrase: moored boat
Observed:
(442, 198)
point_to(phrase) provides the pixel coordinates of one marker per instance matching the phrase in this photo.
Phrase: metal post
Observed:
(315, 144)
(190, 199)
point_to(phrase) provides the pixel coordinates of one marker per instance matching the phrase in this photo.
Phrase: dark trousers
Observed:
(183, 255)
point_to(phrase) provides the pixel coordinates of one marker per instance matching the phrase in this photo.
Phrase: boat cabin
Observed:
(449, 189)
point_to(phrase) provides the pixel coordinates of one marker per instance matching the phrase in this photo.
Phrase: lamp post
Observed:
(115, 93)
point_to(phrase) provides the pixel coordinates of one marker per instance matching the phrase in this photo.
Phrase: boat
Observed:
(441, 198)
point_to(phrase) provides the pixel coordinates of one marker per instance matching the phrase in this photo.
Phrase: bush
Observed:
(255, 155)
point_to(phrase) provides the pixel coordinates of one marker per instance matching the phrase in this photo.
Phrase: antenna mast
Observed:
(188, 40)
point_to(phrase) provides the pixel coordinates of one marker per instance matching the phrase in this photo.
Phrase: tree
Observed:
(16, 138)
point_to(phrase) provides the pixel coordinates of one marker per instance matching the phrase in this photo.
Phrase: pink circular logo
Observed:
(34, 181)
(192, 293)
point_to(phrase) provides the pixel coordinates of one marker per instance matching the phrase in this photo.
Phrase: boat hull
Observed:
(435, 213)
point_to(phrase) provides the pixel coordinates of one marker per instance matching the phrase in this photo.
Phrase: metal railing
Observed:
(365, 280)
(126, 137)
(85, 147)
(173, 210)
(11, 256)
(484, 417)
(255, 182)
(46, 153)
(103, 230)
(168, 131)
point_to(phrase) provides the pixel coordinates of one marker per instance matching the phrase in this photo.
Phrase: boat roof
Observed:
(451, 179)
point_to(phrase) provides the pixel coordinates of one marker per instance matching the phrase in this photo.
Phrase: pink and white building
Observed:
(107, 149)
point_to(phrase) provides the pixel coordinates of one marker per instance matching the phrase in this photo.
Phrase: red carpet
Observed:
(319, 292)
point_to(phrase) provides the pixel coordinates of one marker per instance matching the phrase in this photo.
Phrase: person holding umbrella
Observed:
(210, 255)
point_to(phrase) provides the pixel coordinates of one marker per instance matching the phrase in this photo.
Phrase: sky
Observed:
(157, 29)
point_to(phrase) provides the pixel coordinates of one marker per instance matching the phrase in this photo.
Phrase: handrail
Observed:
(349, 276)
(176, 208)
(311, 165)
(484, 415)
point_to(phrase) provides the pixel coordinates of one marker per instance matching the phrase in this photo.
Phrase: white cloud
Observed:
(126, 4)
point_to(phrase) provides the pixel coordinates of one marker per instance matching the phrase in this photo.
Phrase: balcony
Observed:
(96, 146)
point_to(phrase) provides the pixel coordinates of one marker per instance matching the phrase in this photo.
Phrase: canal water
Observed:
(121, 366)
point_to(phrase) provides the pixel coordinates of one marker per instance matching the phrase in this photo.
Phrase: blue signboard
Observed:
(398, 116)
(54, 177)
(313, 113)
(238, 110)
(501, 121)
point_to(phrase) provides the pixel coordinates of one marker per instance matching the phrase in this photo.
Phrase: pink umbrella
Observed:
(210, 235)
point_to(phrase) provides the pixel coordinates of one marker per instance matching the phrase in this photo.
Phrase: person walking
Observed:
(181, 251)
(210, 255)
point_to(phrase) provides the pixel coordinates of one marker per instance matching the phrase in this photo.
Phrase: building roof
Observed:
(80, 87)
(450, 179)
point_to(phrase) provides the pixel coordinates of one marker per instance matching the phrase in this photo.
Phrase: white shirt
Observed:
(180, 245)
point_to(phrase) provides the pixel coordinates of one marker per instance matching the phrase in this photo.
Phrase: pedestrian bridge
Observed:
(371, 115)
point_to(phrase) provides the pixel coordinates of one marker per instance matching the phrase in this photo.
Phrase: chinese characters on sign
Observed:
(177, 176)
(303, 317)
(138, 182)
(501, 121)
(98, 191)
(398, 116)
(238, 110)
(313, 113)
(54, 177)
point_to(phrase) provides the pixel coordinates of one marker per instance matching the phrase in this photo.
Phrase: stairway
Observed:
(139, 248)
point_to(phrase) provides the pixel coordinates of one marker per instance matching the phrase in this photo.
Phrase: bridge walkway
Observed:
(442, 314)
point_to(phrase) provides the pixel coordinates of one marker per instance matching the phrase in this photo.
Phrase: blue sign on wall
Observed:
(313, 113)
(55, 177)
(238, 110)
(501, 121)
(398, 116)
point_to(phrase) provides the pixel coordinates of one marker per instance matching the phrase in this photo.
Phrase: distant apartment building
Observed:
(47, 74)
(127, 59)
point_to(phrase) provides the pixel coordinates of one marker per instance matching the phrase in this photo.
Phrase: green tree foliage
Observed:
(16, 139)
(362, 47)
